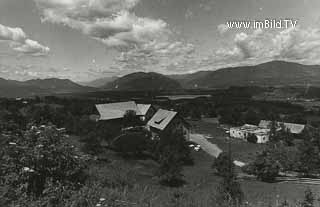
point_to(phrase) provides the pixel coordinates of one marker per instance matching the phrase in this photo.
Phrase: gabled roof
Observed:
(144, 108)
(116, 110)
(162, 119)
(293, 128)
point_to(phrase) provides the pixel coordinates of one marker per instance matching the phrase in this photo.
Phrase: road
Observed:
(210, 148)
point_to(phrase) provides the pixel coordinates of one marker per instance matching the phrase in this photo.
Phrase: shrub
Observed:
(252, 138)
(223, 163)
(308, 199)
(131, 119)
(266, 167)
(92, 143)
(40, 158)
(172, 151)
(132, 142)
(229, 191)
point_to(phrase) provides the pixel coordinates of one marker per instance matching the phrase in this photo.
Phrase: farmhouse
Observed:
(246, 130)
(165, 120)
(116, 111)
(292, 128)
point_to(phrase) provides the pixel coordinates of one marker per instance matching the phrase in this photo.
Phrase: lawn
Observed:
(258, 193)
(201, 182)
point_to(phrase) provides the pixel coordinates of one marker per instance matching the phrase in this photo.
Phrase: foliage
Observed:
(40, 158)
(131, 119)
(229, 191)
(309, 160)
(308, 199)
(223, 164)
(252, 138)
(252, 117)
(133, 141)
(172, 151)
(92, 143)
(266, 166)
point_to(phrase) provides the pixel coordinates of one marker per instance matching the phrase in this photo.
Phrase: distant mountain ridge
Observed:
(141, 81)
(100, 82)
(12, 88)
(274, 73)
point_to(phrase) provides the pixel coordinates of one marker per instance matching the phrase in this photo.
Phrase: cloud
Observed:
(109, 21)
(294, 44)
(12, 34)
(164, 57)
(19, 41)
(222, 28)
(31, 47)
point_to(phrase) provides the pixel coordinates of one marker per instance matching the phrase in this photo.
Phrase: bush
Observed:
(229, 191)
(170, 170)
(92, 144)
(40, 158)
(252, 138)
(132, 142)
(223, 163)
(131, 119)
(265, 167)
(172, 152)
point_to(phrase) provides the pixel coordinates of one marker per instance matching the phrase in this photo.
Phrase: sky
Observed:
(83, 40)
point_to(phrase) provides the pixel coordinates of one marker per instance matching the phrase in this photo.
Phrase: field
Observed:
(201, 182)
(256, 192)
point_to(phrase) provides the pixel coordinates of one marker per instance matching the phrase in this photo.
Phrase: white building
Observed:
(244, 131)
(291, 127)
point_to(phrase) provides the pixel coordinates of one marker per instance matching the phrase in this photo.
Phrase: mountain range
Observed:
(12, 88)
(100, 82)
(141, 81)
(275, 73)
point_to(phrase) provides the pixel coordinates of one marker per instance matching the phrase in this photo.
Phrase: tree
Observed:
(229, 191)
(252, 138)
(92, 143)
(252, 117)
(273, 132)
(172, 151)
(131, 119)
(39, 158)
(170, 169)
(308, 199)
(222, 164)
(132, 142)
(266, 166)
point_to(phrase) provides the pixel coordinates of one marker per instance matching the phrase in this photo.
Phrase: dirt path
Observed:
(207, 146)
(210, 148)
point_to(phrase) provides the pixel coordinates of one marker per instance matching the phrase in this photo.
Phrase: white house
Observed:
(244, 131)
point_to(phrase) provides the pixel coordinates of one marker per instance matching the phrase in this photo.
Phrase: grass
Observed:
(241, 150)
(138, 186)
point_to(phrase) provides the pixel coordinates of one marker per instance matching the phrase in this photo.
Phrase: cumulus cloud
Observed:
(293, 44)
(19, 41)
(12, 34)
(109, 21)
(31, 47)
(222, 28)
(165, 57)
